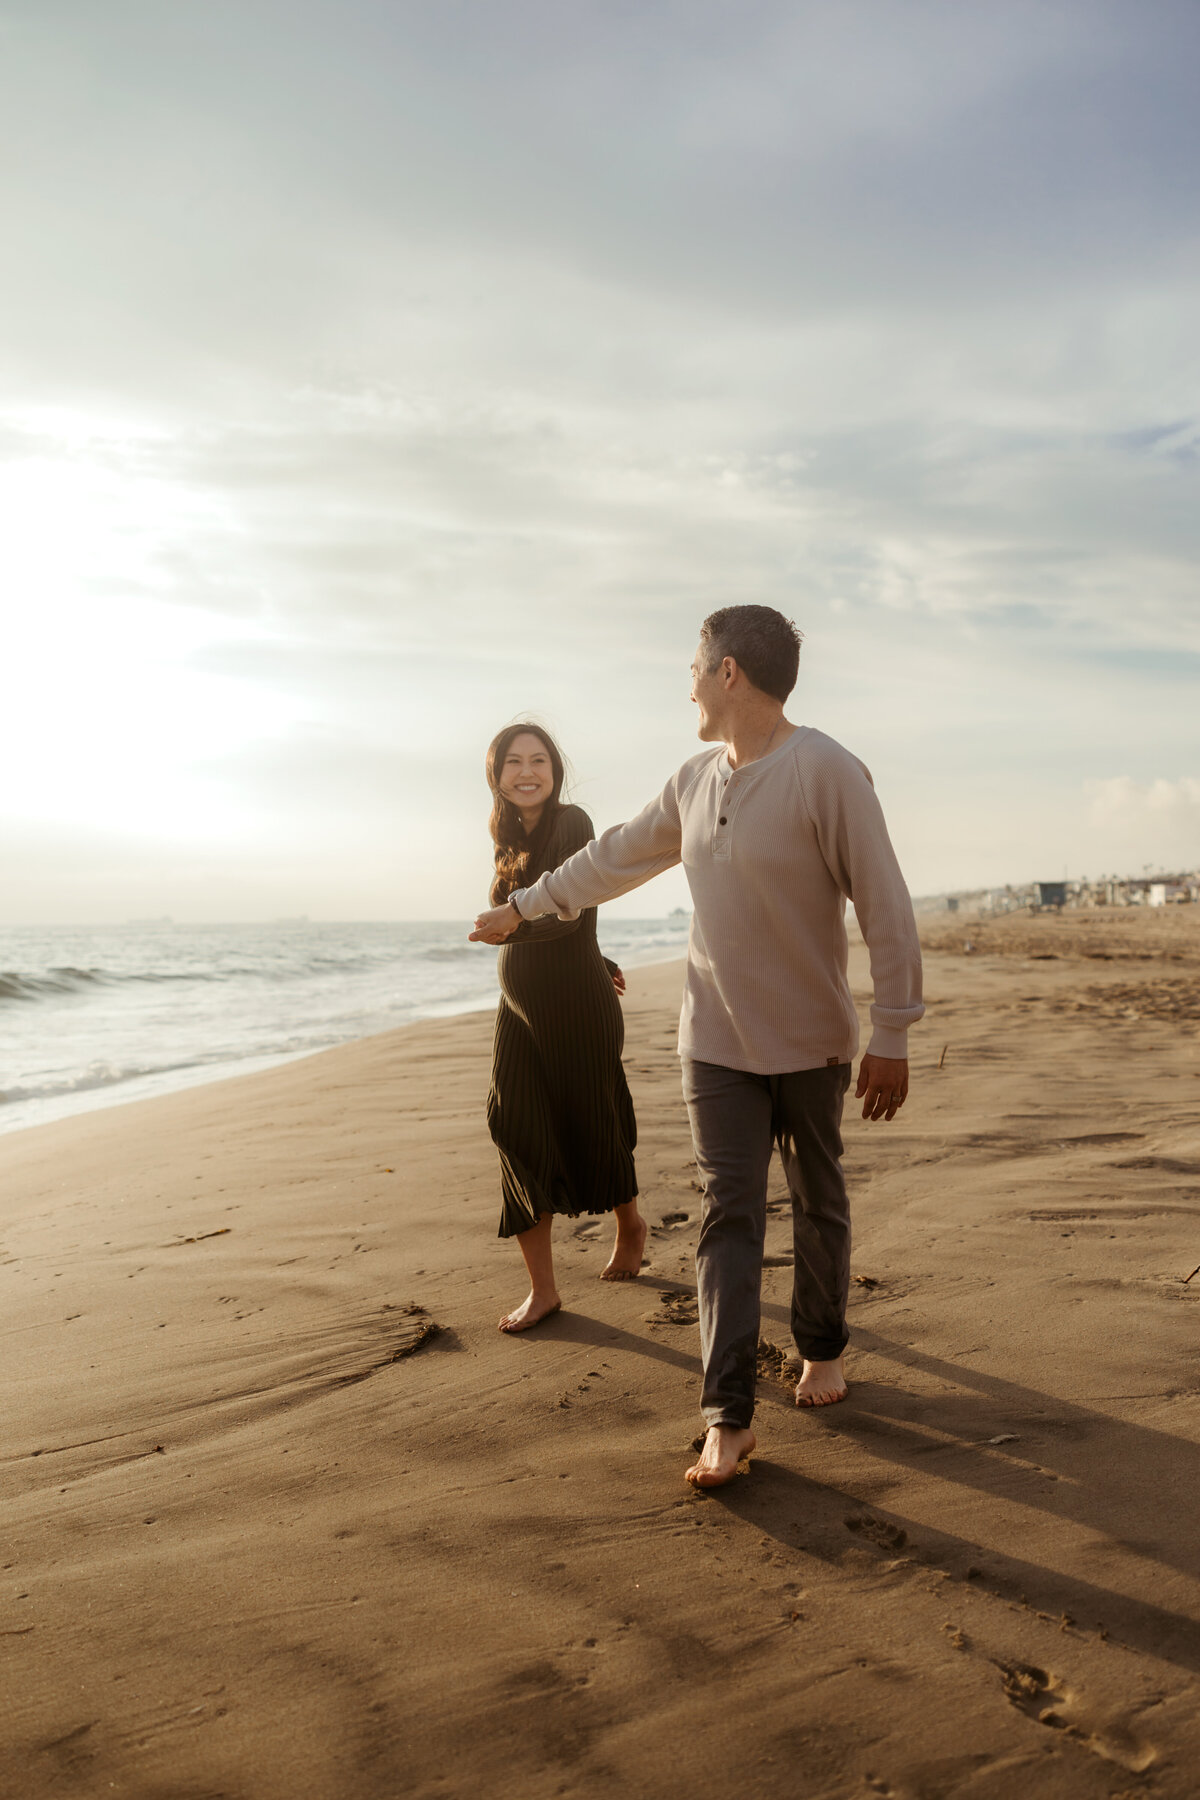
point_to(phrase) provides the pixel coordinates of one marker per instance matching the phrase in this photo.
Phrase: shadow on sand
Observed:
(1092, 1470)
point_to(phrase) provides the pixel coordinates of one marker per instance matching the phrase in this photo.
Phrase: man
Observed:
(776, 828)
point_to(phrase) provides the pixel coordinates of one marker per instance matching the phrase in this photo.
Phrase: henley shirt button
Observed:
(722, 821)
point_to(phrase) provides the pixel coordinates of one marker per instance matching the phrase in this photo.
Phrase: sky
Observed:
(372, 374)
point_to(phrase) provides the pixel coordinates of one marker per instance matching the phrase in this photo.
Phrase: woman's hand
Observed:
(496, 926)
(618, 980)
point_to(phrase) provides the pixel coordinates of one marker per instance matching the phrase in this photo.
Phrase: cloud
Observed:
(1120, 797)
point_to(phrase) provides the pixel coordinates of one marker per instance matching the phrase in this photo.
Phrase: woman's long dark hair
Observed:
(513, 847)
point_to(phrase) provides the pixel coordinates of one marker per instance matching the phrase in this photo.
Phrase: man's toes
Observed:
(820, 1397)
(715, 1476)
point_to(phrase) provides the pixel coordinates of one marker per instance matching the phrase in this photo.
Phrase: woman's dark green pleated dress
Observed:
(559, 1109)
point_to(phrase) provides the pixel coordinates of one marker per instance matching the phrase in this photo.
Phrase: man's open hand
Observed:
(496, 926)
(882, 1085)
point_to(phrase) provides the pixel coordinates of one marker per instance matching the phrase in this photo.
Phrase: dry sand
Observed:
(267, 1536)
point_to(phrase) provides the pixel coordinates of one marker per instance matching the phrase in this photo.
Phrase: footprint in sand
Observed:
(678, 1308)
(1046, 1698)
(878, 1531)
(774, 1363)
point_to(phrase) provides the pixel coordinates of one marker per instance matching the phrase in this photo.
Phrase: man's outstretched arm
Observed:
(621, 859)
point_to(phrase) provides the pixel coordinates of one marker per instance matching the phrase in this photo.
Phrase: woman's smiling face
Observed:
(526, 779)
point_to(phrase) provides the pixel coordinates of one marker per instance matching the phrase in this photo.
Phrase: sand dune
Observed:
(285, 1516)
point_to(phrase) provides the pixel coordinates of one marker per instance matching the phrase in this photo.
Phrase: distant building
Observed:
(1052, 893)
(1176, 892)
(952, 903)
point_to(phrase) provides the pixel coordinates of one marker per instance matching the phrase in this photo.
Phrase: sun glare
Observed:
(109, 713)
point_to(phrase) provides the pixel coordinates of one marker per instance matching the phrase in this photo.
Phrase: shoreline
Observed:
(155, 1084)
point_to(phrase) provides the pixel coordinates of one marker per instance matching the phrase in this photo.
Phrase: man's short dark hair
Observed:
(764, 645)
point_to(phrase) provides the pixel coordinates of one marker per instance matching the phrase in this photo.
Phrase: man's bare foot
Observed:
(821, 1383)
(626, 1260)
(532, 1310)
(724, 1448)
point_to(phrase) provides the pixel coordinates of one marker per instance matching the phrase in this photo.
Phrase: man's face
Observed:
(707, 691)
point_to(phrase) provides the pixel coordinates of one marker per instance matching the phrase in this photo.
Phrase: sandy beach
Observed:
(284, 1516)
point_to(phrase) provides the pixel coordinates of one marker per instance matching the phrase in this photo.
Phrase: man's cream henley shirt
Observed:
(772, 852)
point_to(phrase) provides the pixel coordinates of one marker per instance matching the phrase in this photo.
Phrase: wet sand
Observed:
(284, 1515)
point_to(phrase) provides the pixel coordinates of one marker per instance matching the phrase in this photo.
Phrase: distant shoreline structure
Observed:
(1182, 889)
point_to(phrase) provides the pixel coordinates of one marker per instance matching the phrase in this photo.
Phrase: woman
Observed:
(559, 1109)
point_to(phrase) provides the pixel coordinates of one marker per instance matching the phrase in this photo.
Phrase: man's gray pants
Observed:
(736, 1118)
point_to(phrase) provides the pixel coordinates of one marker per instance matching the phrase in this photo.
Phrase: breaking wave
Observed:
(99, 1075)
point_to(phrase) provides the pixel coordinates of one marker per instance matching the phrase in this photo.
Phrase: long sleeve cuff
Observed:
(887, 1041)
(530, 904)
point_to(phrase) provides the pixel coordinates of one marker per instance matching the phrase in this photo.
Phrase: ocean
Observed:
(91, 1017)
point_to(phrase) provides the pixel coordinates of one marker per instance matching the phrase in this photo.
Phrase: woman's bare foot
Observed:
(724, 1448)
(821, 1383)
(532, 1310)
(626, 1260)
